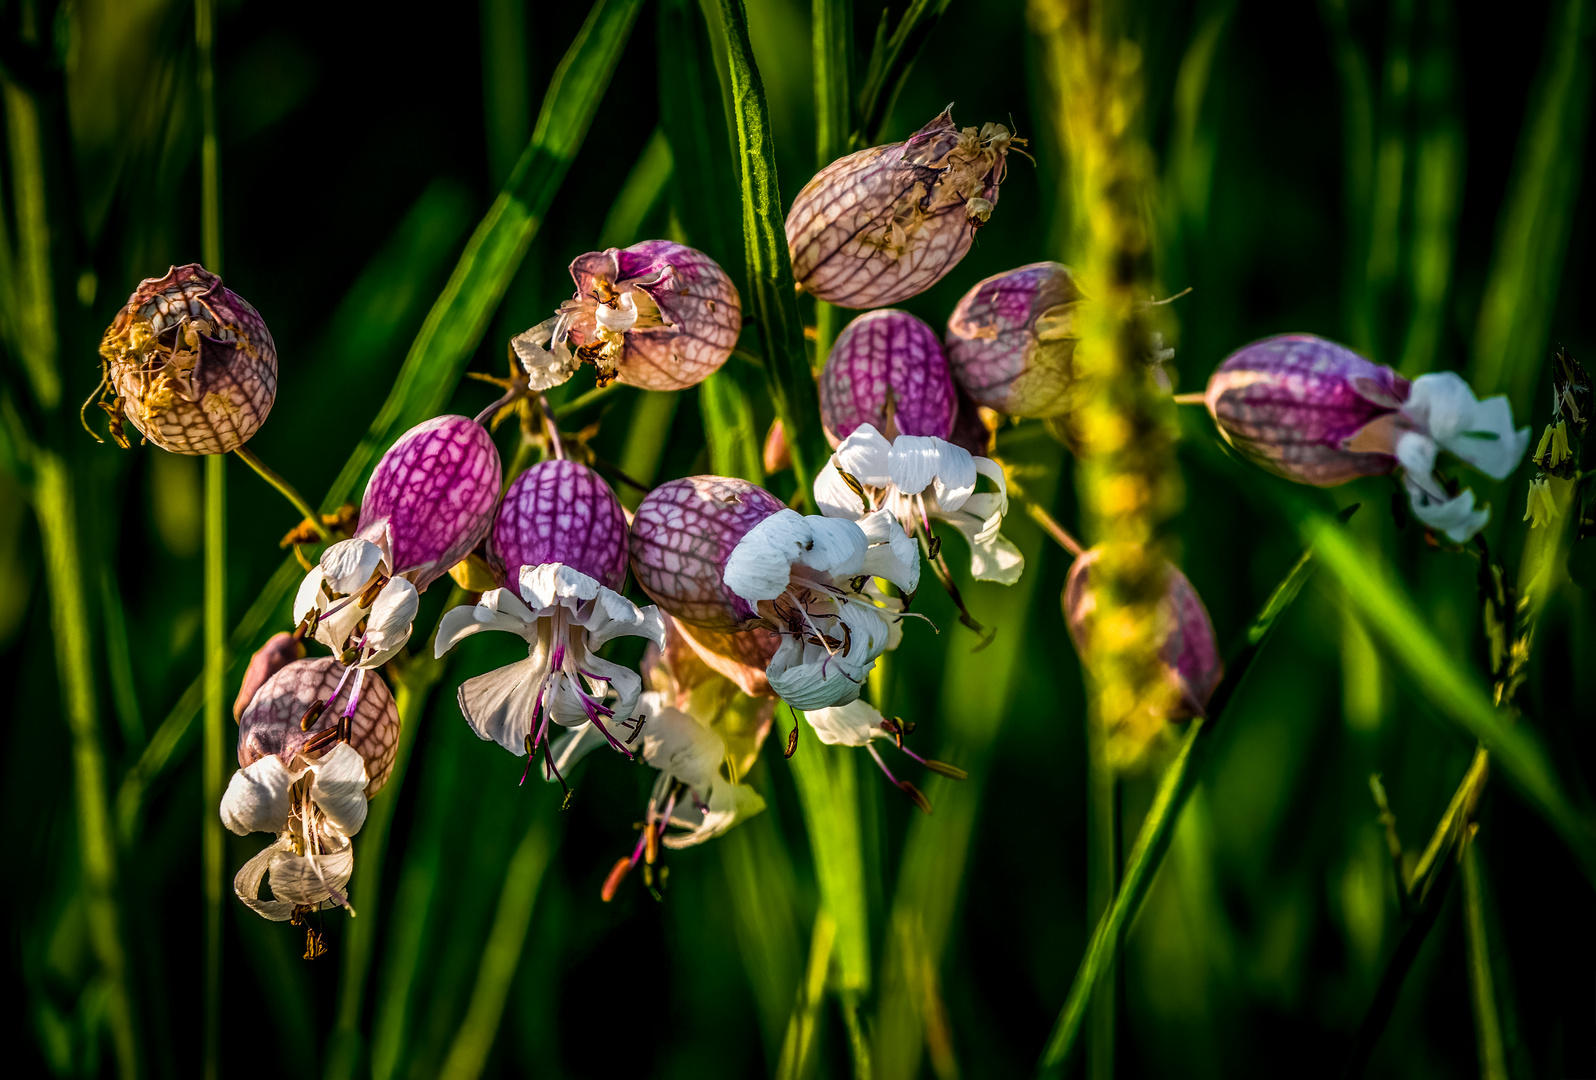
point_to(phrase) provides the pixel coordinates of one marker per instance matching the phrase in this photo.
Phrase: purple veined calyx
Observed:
(723, 555)
(1011, 340)
(1315, 412)
(305, 772)
(429, 502)
(884, 224)
(887, 391)
(189, 363)
(558, 548)
(656, 315)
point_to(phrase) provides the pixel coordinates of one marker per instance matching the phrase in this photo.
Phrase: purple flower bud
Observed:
(273, 723)
(559, 512)
(278, 652)
(682, 535)
(1011, 340)
(1297, 405)
(432, 494)
(879, 226)
(1189, 652)
(656, 315)
(190, 363)
(887, 370)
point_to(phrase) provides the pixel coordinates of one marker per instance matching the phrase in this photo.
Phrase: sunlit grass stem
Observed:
(1487, 1020)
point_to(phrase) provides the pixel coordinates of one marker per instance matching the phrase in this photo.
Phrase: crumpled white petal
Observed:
(892, 553)
(866, 455)
(1479, 432)
(853, 724)
(760, 566)
(834, 497)
(992, 556)
(497, 609)
(296, 880)
(727, 804)
(546, 365)
(349, 564)
(916, 461)
(957, 469)
(339, 787)
(257, 797)
(677, 744)
(393, 615)
(808, 676)
(499, 704)
(1416, 452)
(1455, 516)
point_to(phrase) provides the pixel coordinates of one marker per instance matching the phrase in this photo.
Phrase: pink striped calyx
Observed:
(887, 370)
(1011, 340)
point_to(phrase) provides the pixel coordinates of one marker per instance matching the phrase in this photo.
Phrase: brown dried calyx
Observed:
(189, 362)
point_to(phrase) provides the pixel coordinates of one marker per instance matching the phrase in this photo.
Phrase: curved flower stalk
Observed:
(656, 315)
(559, 549)
(1317, 413)
(723, 555)
(884, 224)
(1011, 340)
(429, 502)
(887, 370)
(306, 773)
(189, 363)
(1188, 650)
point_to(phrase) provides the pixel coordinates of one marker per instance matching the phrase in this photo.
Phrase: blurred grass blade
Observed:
(762, 885)
(1158, 828)
(890, 61)
(1436, 673)
(799, 1044)
(1527, 268)
(644, 187)
(828, 790)
(770, 297)
(834, 120)
(501, 954)
(461, 314)
(119, 661)
(30, 293)
(735, 444)
(1487, 1021)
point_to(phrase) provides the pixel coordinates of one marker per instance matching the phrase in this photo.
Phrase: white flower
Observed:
(357, 604)
(315, 806)
(561, 680)
(807, 576)
(692, 792)
(860, 724)
(920, 479)
(544, 355)
(1445, 415)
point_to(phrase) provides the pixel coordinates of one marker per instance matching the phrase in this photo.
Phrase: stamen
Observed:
(312, 714)
(531, 754)
(613, 882)
(792, 737)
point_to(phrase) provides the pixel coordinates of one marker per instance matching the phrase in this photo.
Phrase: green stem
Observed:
(288, 491)
(215, 748)
(1102, 871)
(827, 783)
(1487, 1021)
(577, 404)
(834, 123)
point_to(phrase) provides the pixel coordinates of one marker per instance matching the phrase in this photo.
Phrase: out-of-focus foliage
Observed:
(1403, 177)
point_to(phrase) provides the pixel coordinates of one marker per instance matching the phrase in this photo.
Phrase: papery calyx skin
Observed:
(1296, 405)
(1188, 648)
(887, 370)
(656, 315)
(430, 499)
(1011, 341)
(884, 224)
(279, 651)
(559, 511)
(191, 363)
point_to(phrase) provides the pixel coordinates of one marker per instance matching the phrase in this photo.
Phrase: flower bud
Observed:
(1189, 653)
(1308, 409)
(432, 497)
(1011, 340)
(273, 723)
(887, 370)
(278, 652)
(682, 535)
(884, 224)
(559, 512)
(190, 363)
(656, 315)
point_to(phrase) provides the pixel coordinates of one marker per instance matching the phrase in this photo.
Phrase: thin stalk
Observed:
(1056, 532)
(577, 404)
(1102, 873)
(1487, 1021)
(288, 490)
(832, 44)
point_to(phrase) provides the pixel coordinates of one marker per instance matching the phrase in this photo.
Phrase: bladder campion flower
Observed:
(189, 362)
(884, 224)
(1011, 340)
(305, 772)
(558, 548)
(1315, 412)
(656, 315)
(723, 555)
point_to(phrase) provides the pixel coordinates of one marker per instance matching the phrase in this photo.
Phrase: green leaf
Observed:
(828, 790)
(735, 443)
(890, 61)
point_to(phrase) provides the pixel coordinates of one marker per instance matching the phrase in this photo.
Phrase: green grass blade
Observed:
(834, 120)
(828, 789)
(769, 297)
(760, 880)
(890, 61)
(734, 440)
(1388, 612)
(644, 187)
(1487, 1021)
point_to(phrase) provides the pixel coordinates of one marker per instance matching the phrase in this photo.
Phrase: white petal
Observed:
(549, 584)
(392, 617)
(246, 885)
(564, 702)
(806, 676)
(545, 366)
(499, 705)
(1456, 517)
(955, 477)
(892, 553)
(834, 497)
(993, 472)
(728, 804)
(1479, 432)
(349, 564)
(1417, 453)
(837, 546)
(866, 455)
(853, 724)
(679, 746)
(992, 557)
(612, 615)
(915, 461)
(309, 597)
(296, 880)
(257, 797)
(467, 619)
(760, 566)
(339, 787)
(625, 683)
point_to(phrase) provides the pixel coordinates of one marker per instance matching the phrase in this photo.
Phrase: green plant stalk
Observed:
(828, 791)
(31, 296)
(761, 883)
(1102, 874)
(645, 186)
(770, 286)
(287, 490)
(1487, 1022)
(119, 659)
(1158, 827)
(69, 624)
(501, 954)
(832, 44)
(734, 442)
